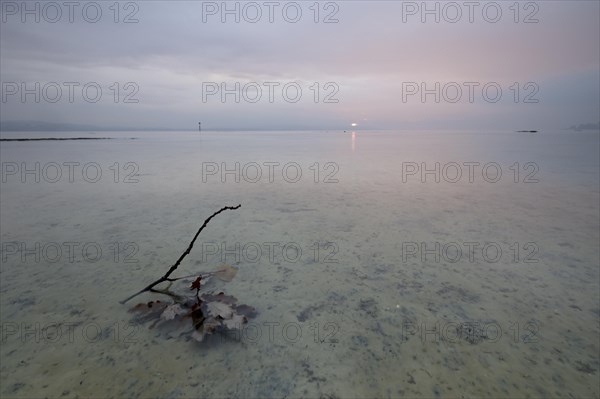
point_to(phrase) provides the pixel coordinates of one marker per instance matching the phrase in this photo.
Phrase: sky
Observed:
(300, 65)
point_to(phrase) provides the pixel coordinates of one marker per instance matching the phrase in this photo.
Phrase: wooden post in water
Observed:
(199, 126)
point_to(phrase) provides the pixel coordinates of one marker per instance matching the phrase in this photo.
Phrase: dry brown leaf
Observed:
(207, 327)
(225, 273)
(235, 322)
(171, 311)
(220, 297)
(246, 310)
(209, 313)
(221, 309)
(149, 311)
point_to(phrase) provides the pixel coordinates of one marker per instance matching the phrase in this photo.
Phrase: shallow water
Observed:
(368, 282)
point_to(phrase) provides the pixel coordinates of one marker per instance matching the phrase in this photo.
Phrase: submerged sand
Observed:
(357, 318)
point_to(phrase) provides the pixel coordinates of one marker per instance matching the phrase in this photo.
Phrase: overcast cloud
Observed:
(364, 61)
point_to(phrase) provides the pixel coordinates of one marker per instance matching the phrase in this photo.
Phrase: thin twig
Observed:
(186, 253)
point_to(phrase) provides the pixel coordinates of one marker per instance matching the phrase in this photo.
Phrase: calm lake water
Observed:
(381, 264)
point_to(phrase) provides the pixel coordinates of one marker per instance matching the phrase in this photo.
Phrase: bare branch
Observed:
(185, 253)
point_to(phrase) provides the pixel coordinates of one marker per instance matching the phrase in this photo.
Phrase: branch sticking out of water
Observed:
(164, 278)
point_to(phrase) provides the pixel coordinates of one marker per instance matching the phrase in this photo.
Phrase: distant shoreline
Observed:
(59, 138)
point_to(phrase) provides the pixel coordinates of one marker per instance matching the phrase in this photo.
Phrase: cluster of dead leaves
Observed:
(199, 316)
